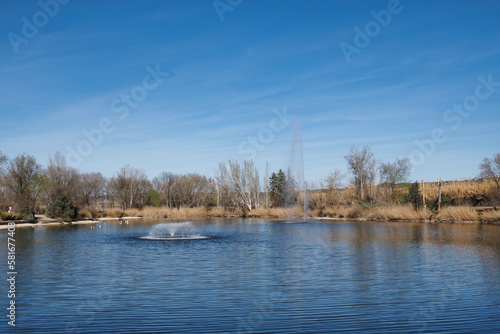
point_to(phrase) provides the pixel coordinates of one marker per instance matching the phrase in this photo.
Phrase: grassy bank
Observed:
(458, 214)
(450, 214)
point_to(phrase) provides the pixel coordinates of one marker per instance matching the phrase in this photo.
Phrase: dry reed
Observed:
(490, 216)
(164, 212)
(458, 214)
(399, 212)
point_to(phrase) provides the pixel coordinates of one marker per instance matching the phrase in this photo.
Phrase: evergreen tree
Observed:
(153, 198)
(62, 207)
(282, 189)
(414, 195)
(277, 189)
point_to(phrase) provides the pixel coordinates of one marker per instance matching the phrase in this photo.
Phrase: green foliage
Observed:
(320, 213)
(24, 209)
(414, 196)
(277, 188)
(62, 207)
(97, 214)
(404, 185)
(211, 202)
(153, 198)
(445, 201)
(9, 216)
(84, 215)
(402, 198)
(282, 189)
(117, 213)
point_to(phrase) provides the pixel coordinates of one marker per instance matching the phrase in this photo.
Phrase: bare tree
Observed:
(62, 180)
(225, 195)
(362, 167)
(24, 179)
(396, 172)
(334, 184)
(164, 185)
(252, 176)
(92, 188)
(239, 185)
(193, 190)
(3, 161)
(266, 184)
(130, 187)
(110, 193)
(3, 188)
(490, 169)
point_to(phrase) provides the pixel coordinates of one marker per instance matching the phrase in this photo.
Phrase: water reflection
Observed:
(260, 276)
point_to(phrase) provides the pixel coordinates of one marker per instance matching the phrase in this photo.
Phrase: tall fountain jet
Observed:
(296, 165)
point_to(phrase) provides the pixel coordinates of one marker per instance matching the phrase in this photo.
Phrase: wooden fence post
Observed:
(439, 193)
(423, 195)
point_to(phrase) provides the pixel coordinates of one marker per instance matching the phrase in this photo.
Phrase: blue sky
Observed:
(227, 79)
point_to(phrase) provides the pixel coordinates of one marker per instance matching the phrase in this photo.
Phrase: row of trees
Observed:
(364, 168)
(62, 189)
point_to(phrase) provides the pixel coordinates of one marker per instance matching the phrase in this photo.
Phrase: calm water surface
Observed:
(256, 276)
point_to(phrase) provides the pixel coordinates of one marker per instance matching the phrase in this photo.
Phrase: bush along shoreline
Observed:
(396, 213)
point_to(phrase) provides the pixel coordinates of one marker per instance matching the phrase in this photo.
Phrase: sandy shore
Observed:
(52, 222)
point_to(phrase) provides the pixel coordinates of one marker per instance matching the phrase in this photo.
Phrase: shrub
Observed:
(62, 207)
(153, 198)
(118, 213)
(84, 215)
(9, 216)
(96, 214)
(211, 202)
(414, 196)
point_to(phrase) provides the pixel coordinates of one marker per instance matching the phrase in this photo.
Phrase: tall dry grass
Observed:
(490, 216)
(467, 192)
(296, 212)
(399, 212)
(164, 212)
(386, 213)
(462, 192)
(458, 214)
(341, 211)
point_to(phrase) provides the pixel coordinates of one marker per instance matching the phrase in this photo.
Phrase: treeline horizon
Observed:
(61, 191)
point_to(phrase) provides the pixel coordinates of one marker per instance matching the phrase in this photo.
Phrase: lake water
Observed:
(257, 276)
